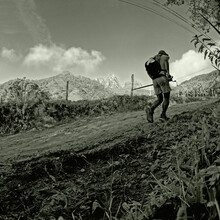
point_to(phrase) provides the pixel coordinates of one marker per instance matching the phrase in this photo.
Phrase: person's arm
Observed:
(166, 65)
(164, 59)
(164, 62)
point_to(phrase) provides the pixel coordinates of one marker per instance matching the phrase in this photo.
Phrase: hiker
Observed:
(158, 70)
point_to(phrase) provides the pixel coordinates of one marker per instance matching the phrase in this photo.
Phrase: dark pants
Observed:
(162, 97)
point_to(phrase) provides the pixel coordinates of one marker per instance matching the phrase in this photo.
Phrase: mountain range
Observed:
(80, 87)
(84, 88)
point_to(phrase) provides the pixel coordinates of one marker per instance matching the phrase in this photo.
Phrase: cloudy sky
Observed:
(94, 38)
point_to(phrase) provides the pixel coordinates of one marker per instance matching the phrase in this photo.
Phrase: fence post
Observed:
(132, 84)
(67, 90)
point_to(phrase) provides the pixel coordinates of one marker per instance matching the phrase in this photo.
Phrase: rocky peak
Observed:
(111, 81)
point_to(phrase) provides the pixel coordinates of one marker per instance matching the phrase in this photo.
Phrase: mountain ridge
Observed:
(80, 87)
(84, 88)
(204, 84)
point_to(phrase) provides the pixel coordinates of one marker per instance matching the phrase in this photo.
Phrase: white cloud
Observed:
(74, 57)
(58, 58)
(10, 54)
(190, 65)
(40, 54)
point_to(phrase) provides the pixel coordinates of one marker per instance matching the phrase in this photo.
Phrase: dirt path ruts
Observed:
(83, 134)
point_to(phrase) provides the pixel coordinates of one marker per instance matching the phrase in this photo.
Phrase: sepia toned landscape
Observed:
(84, 132)
(86, 159)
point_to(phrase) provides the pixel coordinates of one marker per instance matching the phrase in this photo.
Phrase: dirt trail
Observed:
(83, 134)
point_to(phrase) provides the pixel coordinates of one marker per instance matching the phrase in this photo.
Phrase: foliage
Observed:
(190, 183)
(170, 171)
(176, 99)
(24, 91)
(193, 175)
(203, 13)
(23, 113)
(19, 105)
(25, 106)
(28, 107)
(209, 48)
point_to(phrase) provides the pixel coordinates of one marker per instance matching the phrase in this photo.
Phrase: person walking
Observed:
(158, 70)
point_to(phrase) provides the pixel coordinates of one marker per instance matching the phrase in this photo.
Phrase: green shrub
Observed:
(176, 99)
(193, 99)
(19, 114)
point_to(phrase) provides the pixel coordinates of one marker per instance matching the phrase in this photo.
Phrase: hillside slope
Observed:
(80, 87)
(82, 134)
(106, 165)
(201, 84)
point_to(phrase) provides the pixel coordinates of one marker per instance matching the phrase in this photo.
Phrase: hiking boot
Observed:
(163, 118)
(150, 114)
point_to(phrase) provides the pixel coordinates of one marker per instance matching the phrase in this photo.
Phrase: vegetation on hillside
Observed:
(171, 171)
(25, 106)
(200, 86)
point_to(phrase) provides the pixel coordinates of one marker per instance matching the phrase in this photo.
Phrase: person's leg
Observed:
(165, 105)
(157, 102)
(150, 109)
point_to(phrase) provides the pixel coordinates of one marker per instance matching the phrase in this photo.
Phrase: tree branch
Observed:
(210, 23)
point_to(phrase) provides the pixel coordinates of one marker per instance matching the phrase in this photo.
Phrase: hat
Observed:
(162, 52)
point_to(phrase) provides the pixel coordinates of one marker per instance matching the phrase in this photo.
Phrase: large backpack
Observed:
(153, 68)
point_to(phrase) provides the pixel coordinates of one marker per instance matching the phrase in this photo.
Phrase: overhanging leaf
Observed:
(196, 43)
(201, 48)
(206, 39)
(212, 57)
(211, 44)
(195, 38)
(205, 54)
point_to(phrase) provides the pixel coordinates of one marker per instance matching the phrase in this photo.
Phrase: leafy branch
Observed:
(209, 48)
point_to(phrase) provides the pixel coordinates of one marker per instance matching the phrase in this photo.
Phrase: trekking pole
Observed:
(148, 85)
(143, 87)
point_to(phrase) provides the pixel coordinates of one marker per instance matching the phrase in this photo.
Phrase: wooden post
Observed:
(132, 84)
(67, 90)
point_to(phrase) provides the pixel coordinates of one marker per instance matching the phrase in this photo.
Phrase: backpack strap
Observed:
(151, 60)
